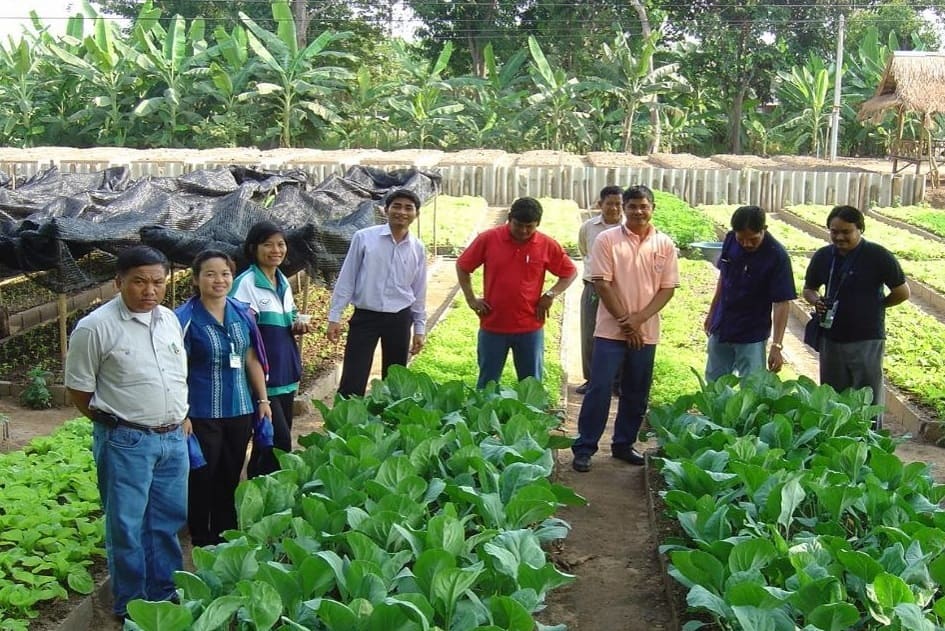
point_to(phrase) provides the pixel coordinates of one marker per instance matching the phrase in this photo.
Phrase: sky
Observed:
(14, 15)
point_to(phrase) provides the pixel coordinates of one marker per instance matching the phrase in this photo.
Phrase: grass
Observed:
(925, 217)
(561, 220)
(450, 350)
(793, 239)
(455, 221)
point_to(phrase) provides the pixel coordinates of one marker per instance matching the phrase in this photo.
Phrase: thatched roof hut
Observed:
(913, 82)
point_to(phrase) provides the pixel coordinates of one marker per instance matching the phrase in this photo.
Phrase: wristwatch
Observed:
(777, 345)
(550, 293)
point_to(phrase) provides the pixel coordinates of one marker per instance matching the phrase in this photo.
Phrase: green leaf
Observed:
(160, 616)
(834, 616)
(888, 590)
(699, 568)
(262, 602)
(701, 598)
(752, 554)
(792, 494)
(80, 580)
(450, 584)
(912, 618)
(218, 613)
(509, 614)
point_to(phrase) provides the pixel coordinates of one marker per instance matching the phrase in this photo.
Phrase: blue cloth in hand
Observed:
(195, 452)
(262, 432)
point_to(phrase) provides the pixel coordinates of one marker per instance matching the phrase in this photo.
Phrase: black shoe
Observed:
(582, 389)
(581, 464)
(628, 454)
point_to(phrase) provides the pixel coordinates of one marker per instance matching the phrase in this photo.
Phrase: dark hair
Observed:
(848, 214)
(205, 256)
(637, 192)
(526, 210)
(402, 193)
(139, 255)
(607, 191)
(748, 218)
(258, 233)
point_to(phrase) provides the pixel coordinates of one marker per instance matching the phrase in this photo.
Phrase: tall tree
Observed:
(470, 25)
(742, 45)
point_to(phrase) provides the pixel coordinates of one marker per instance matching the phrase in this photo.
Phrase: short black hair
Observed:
(848, 214)
(139, 255)
(607, 191)
(749, 218)
(638, 191)
(258, 233)
(526, 210)
(404, 193)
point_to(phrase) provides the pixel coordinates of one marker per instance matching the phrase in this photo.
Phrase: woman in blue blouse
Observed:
(266, 290)
(226, 380)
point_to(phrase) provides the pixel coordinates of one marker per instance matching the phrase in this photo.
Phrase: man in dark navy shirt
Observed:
(852, 308)
(755, 281)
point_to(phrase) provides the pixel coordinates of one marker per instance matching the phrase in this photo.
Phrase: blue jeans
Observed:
(727, 358)
(637, 364)
(528, 350)
(142, 480)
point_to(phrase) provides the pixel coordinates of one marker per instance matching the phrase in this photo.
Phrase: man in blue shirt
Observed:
(755, 281)
(384, 275)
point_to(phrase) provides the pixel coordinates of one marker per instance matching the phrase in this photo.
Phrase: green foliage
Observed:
(796, 514)
(680, 221)
(561, 220)
(450, 222)
(924, 216)
(805, 91)
(36, 394)
(421, 506)
(793, 239)
(49, 526)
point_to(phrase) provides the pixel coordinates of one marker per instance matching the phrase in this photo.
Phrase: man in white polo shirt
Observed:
(126, 370)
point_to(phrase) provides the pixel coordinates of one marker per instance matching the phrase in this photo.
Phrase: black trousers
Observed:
(262, 460)
(211, 507)
(364, 330)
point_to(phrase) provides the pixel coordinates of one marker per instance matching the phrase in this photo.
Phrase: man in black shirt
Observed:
(853, 305)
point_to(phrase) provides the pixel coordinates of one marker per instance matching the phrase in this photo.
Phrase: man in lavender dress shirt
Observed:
(384, 276)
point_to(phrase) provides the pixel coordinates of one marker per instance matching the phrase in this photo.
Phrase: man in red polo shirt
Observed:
(512, 312)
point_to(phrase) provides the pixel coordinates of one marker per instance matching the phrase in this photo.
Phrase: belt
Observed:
(112, 421)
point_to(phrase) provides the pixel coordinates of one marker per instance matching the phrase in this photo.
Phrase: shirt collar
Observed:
(127, 314)
(262, 280)
(650, 231)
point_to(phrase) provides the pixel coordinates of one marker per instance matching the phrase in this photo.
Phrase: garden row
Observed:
(793, 514)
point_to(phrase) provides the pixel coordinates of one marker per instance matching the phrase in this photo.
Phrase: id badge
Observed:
(236, 361)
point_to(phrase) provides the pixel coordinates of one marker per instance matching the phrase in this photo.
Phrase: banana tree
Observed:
(555, 109)
(106, 78)
(298, 85)
(365, 122)
(424, 108)
(226, 84)
(23, 91)
(490, 103)
(806, 90)
(633, 79)
(168, 57)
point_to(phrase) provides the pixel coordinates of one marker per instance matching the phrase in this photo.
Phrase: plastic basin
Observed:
(709, 250)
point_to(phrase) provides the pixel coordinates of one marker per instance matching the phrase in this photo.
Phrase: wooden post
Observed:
(63, 304)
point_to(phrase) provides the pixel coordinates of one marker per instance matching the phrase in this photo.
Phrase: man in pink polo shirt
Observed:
(512, 312)
(635, 272)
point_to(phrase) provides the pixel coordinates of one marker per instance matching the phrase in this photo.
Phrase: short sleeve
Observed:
(474, 255)
(559, 263)
(82, 360)
(893, 276)
(602, 265)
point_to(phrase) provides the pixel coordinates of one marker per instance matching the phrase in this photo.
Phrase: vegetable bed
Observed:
(422, 506)
(458, 219)
(794, 514)
(50, 533)
(793, 239)
(925, 217)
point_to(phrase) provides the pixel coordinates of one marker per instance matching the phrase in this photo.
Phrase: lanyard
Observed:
(845, 270)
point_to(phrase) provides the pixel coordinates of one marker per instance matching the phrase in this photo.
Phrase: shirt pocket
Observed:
(133, 368)
(659, 262)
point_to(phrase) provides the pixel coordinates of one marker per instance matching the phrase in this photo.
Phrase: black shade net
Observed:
(63, 229)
